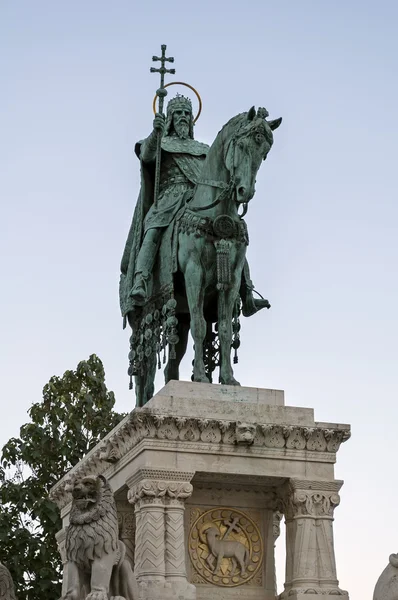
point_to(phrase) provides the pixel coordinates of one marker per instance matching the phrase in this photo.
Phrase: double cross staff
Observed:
(161, 93)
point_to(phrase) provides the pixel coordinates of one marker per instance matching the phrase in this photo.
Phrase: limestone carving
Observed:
(245, 433)
(158, 496)
(309, 507)
(228, 549)
(6, 584)
(157, 488)
(225, 546)
(144, 424)
(387, 584)
(97, 567)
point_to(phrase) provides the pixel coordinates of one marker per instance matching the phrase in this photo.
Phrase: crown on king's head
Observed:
(179, 102)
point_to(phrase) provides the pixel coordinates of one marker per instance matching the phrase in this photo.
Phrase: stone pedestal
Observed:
(202, 475)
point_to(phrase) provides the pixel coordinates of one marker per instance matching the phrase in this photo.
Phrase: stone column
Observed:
(60, 536)
(160, 537)
(310, 559)
(276, 531)
(126, 519)
(175, 536)
(149, 506)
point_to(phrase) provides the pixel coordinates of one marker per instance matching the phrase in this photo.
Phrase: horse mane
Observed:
(233, 122)
(241, 119)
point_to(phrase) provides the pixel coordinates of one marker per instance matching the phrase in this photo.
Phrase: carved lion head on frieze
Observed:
(245, 433)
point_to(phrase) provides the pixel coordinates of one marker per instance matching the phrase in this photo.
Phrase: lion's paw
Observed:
(97, 596)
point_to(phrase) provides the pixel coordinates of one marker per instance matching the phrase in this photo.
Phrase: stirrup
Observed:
(251, 305)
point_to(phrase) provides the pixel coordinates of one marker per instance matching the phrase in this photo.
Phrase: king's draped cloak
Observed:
(181, 165)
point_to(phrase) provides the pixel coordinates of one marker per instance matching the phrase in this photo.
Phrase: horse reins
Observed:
(226, 188)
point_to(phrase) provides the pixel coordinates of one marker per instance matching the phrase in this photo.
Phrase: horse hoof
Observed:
(229, 381)
(201, 379)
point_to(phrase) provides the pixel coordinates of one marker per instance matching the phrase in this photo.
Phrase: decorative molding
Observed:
(143, 424)
(316, 484)
(161, 474)
(155, 489)
(270, 498)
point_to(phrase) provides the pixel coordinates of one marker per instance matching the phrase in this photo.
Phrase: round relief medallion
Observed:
(225, 547)
(224, 226)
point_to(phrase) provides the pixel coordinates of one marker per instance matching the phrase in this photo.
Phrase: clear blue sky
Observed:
(76, 95)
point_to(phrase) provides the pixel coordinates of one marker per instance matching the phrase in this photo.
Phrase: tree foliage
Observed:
(74, 415)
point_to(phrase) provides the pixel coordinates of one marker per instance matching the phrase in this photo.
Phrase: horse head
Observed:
(247, 148)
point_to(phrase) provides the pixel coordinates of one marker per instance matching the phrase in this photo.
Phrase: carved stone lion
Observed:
(387, 584)
(6, 584)
(245, 433)
(97, 568)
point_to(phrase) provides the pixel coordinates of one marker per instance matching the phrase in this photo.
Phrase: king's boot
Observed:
(250, 305)
(143, 269)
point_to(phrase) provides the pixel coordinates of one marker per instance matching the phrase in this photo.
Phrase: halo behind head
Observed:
(188, 86)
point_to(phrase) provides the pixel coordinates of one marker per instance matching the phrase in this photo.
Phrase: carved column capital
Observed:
(159, 487)
(316, 499)
(158, 491)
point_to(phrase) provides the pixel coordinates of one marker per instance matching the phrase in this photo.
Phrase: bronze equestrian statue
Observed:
(184, 265)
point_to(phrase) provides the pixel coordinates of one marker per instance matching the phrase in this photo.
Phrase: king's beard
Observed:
(182, 130)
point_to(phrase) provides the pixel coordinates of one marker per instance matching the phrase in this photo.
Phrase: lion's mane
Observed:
(6, 584)
(94, 532)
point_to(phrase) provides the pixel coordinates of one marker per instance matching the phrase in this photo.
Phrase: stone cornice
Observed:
(146, 424)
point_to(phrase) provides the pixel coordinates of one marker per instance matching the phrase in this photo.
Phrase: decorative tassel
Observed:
(223, 250)
(235, 331)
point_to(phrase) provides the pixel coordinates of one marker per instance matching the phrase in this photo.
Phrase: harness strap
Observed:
(198, 208)
(226, 189)
(213, 183)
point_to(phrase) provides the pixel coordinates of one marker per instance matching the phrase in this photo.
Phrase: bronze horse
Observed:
(212, 242)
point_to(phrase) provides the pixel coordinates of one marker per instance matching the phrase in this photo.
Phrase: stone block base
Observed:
(202, 475)
(317, 594)
(167, 590)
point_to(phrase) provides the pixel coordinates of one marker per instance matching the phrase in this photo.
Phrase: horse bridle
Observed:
(227, 188)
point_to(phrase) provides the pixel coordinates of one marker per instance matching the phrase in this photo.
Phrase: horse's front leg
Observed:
(189, 258)
(226, 303)
(194, 284)
(172, 370)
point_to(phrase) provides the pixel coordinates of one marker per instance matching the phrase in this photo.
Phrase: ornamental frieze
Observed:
(144, 425)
